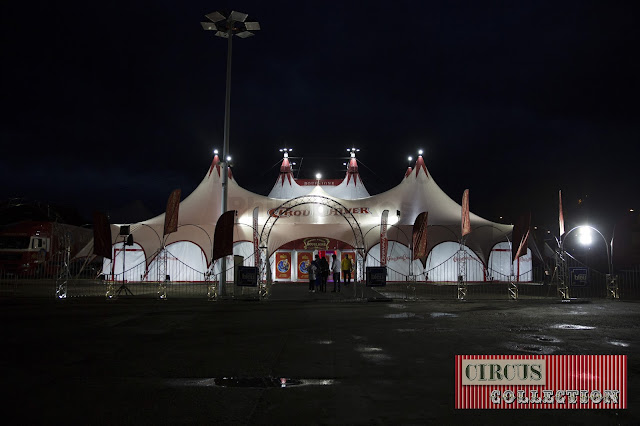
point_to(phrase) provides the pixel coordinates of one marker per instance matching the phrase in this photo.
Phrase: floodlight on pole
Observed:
(420, 152)
(410, 158)
(286, 151)
(215, 151)
(318, 176)
(226, 27)
(584, 237)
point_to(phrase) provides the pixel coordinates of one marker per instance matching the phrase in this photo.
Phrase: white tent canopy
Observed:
(416, 193)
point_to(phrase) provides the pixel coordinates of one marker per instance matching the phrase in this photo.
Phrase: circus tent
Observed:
(318, 226)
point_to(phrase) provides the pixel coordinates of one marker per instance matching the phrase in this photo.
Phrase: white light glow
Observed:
(286, 155)
(420, 152)
(215, 151)
(318, 176)
(353, 155)
(584, 235)
(228, 158)
(410, 158)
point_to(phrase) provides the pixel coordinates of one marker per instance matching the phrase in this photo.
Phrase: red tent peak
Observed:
(352, 170)
(420, 166)
(285, 170)
(215, 164)
(353, 165)
(285, 167)
(409, 170)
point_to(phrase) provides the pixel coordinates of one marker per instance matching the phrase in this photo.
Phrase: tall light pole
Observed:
(226, 27)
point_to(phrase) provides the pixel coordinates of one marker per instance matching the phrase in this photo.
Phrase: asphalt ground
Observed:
(145, 361)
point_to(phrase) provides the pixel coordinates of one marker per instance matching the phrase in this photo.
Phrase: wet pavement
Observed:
(301, 358)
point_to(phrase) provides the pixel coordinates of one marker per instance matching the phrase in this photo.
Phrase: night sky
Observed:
(111, 103)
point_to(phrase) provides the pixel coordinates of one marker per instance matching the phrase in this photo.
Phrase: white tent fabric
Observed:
(442, 264)
(125, 261)
(417, 192)
(500, 264)
(351, 187)
(185, 262)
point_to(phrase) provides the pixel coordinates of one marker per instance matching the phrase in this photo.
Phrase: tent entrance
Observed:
(265, 252)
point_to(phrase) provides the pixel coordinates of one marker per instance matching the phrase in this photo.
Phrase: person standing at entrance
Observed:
(335, 268)
(313, 271)
(346, 269)
(324, 271)
(318, 273)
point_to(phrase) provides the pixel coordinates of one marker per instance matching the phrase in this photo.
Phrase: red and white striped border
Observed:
(563, 372)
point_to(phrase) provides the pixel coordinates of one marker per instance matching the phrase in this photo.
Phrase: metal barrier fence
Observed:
(86, 280)
(447, 271)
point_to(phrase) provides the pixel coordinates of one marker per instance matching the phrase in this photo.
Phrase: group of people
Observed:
(319, 273)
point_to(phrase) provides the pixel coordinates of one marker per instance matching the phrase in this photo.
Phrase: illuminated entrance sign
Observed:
(317, 211)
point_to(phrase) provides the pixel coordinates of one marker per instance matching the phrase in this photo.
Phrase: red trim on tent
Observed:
(409, 170)
(285, 170)
(215, 163)
(420, 165)
(352, 170)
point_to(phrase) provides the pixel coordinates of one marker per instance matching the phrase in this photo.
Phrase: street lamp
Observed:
(585, 238)
(226, 27)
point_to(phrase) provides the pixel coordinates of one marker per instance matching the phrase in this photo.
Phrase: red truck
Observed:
(37, 248)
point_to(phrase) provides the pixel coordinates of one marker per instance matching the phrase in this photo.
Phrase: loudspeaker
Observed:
(124, 230)
(130, 240)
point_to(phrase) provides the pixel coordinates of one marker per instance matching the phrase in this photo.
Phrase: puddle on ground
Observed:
(577, 313)
(252, 382)
(618, 343)
(376, 357)
(373, 354)
(572, 327)
(368, 349)
(402, 315)
(396, 306)
(547, 339)
(443, 315)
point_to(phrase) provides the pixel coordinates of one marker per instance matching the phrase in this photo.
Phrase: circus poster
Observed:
(283, 265)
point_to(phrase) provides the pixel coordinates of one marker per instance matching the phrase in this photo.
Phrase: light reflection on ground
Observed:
(572, 327)
(443, 315)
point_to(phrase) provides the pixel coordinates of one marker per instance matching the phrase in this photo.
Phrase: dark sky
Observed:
(112, 102)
